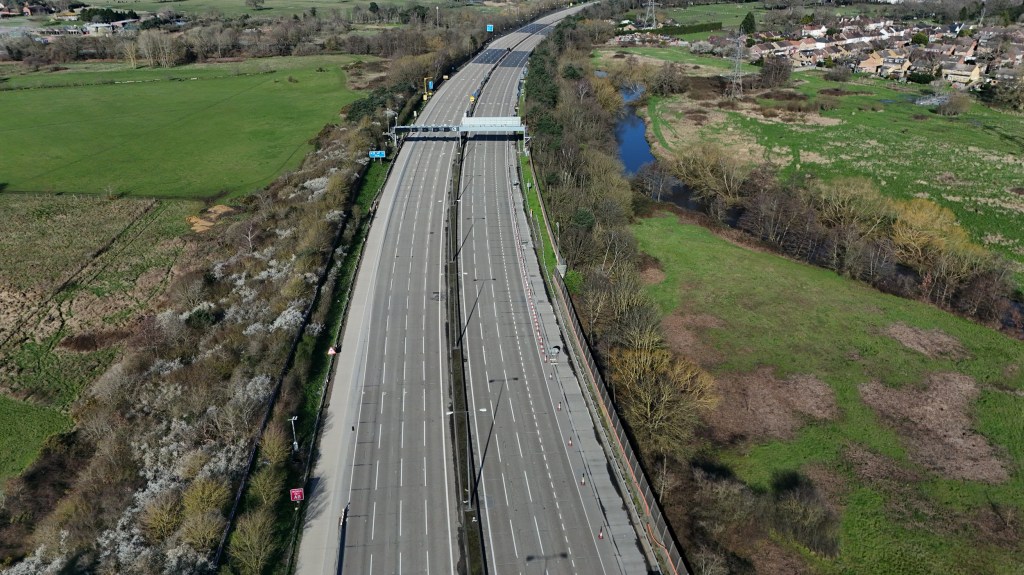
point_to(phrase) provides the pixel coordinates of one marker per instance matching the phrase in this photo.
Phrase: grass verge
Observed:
(531, 192)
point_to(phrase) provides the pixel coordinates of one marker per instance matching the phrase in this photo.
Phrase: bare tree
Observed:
(715, 176)
(130, 51)
(253, 542)
(775, 71)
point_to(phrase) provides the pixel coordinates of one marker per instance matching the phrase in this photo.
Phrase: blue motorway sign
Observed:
(490, 27)
(377, 154)
(430, 85)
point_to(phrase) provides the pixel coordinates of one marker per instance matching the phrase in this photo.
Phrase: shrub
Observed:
(162, 517)
(253, 542)
(205, 495)
(828, 103)
(839, 74)
(920, 78)
(274, 445)
(203, 531)
(956, 104)
(266, 485)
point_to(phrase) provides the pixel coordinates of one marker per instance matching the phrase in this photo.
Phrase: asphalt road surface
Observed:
(536, 514)
(382, 485)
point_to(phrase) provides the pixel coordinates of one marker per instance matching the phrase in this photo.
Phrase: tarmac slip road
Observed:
(381, 495)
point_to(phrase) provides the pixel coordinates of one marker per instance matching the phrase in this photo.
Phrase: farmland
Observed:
(74, 271)
(873, 129)
(23, 430)
(190, 132)
(831, 382)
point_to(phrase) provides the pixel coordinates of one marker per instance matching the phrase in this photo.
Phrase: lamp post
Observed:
(468, 488)
(295, 440)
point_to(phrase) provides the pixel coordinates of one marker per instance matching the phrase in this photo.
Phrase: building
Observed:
(960, 74)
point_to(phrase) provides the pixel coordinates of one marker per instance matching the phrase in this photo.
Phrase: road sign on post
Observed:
(490, 27)
(377, 154)
(297, 494)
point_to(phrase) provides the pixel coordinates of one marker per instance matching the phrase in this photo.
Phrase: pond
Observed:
(631, 135)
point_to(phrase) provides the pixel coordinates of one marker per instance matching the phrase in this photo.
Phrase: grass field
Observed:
(970, 163)
(190, 132)
(230, 8)
(23, 429)
(756, 311)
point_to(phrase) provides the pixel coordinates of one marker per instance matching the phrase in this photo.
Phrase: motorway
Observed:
(385, 463)
(537, 516)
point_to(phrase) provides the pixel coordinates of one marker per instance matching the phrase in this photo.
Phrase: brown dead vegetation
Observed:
(682, 334)
(93, 340)
(840, 92)
(937, 428)
(208, 218)
(784, 96)
(757, 406)
(933, 343)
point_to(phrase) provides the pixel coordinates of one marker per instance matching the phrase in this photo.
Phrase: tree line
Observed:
(571, 113)
(162, 42)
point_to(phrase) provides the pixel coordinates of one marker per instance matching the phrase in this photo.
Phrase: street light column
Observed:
(295, 439)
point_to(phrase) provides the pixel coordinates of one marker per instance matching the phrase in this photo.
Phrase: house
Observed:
(961, 74)
(99, 29)
(964, 47)
(940, 49)
(895, 64)
(1003, 75)
(33, 10)
(871, 64)
(814, 31)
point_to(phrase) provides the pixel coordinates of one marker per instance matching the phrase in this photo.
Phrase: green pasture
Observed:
(190, 132)
(970, 164)
(232, 8)
(799, 319)
(24, 428)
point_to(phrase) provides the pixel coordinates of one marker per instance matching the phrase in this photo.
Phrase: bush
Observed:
(839, 74)
(161, 517)
(920, 78)
(956, 104)
(828, 103)
(203, 531)
(205, 495)
(266, 485)
(253, 542)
